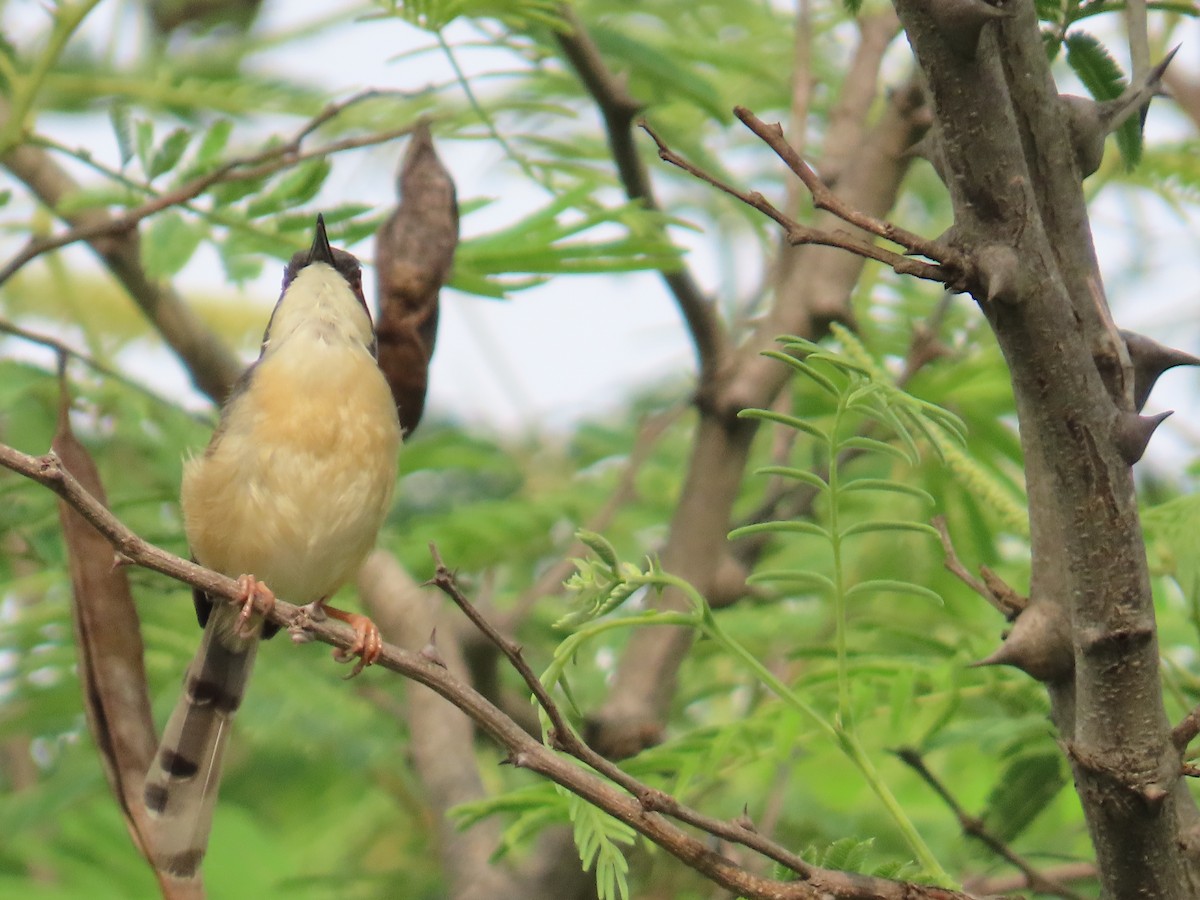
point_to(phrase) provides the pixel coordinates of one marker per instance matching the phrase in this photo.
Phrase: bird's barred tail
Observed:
(181, 786)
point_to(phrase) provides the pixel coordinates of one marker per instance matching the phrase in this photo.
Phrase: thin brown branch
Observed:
(824, 198)
(955, 566)
(926, 344)
(798, 234)
(619, 110)
(974, 827)
(1002, 884)
(1007, 595)
(524, 751)
(1186, 731)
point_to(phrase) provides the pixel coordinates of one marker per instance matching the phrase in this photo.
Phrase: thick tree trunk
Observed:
(1008, 159)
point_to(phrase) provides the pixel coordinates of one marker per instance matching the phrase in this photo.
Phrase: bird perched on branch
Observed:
(290, 493)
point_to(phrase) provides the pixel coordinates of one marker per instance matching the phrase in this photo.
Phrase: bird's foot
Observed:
(368, 642)
(251, 587)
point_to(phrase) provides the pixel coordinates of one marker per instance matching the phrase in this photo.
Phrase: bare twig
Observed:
(1002, 884)
(955, 566)
(1185, 732)
(824, 198)
(926, 344)
(974, 827)
(816, 289)
(797, 234)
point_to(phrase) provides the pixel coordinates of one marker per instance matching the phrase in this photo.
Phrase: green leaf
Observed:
(799, 343)
(169, 152)
(1023, 790)
(210, 153)
(841, 362)
(792, 577)
(770, 415)
(118, 117)
(169, 243)
(143, 142)
(599, 838)
(846, 854)
(541, 244)
(96, 198)
(435, 15)
(792, 527)
(872, 445)
(892, 586)
(889, 525)
(215, 139)
(241, 264)
(294, 189)
(664, 77)
(227, 193)
(801, 366)
(881, 413)
(884, 484)
(810, 478)
(948, 421)
(600, 546)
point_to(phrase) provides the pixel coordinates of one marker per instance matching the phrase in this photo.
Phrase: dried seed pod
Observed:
(414, 252)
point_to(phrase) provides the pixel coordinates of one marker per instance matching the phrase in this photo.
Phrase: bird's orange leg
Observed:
(251, 587)
(368, 642)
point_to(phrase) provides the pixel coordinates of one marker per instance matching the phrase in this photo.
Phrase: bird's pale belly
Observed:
(295, 491)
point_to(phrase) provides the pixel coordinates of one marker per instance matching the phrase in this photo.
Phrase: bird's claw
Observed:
(250, 588)
(368, 642)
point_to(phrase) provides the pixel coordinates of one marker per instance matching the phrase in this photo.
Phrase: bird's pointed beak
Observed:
(320, 251)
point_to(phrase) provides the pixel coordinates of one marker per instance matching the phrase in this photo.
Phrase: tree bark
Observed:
(1008, 161)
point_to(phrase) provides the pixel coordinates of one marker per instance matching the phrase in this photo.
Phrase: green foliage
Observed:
(860, 393)
(540, 245)
(600, 839)
(435, 15)
(791, 698)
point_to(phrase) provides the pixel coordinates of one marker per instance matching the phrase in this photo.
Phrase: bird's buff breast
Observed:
(296, 486)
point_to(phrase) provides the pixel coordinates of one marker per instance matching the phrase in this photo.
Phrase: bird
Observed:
(288, 498)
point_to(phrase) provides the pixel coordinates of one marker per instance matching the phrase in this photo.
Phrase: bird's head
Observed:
(322, 297)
